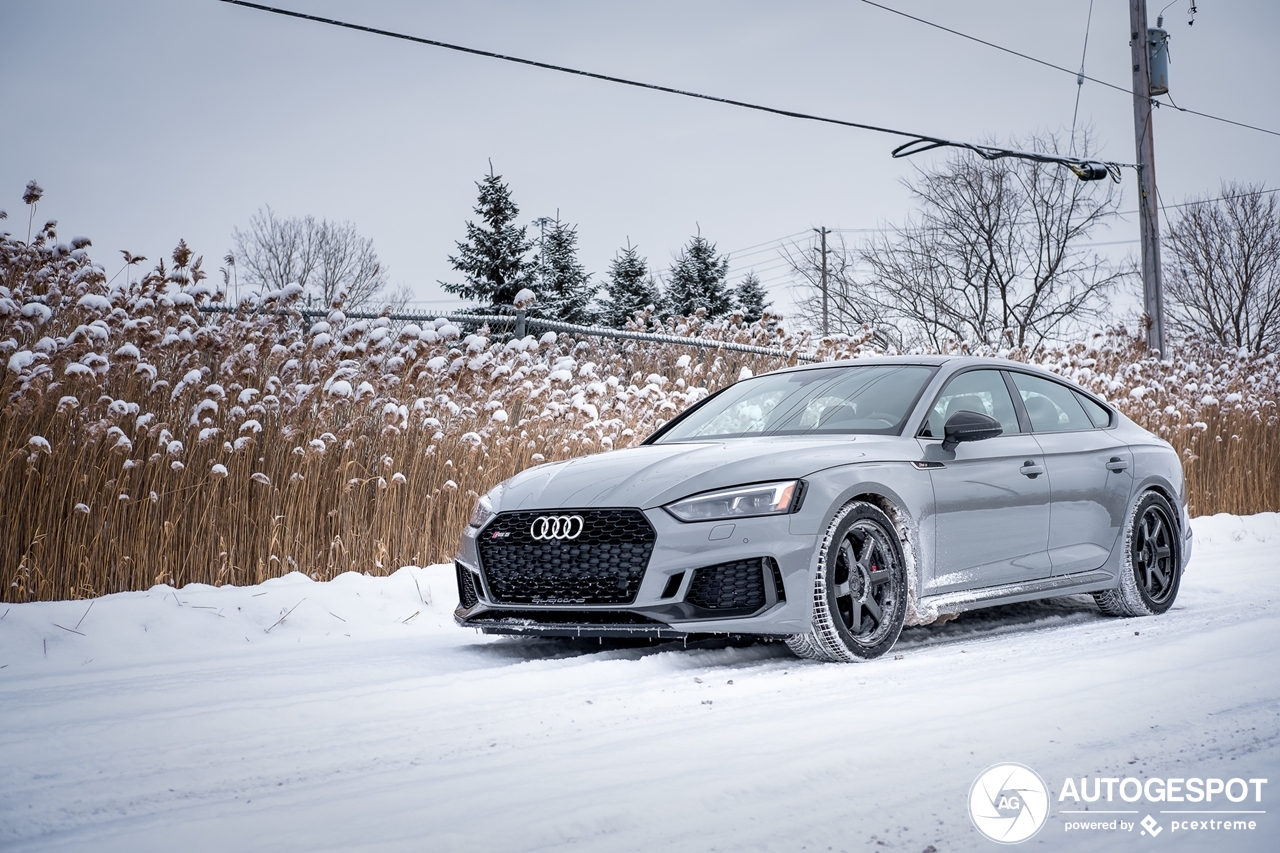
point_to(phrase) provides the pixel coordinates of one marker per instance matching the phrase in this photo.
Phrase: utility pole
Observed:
(823, 232)
(1148, 221)
(542, 222)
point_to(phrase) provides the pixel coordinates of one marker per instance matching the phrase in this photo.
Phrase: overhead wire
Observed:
(1080, 77)
(1126, 89)
(1195, 202)
(916, 144)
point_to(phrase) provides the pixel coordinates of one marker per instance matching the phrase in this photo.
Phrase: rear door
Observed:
(991, 500)
(1090, 472)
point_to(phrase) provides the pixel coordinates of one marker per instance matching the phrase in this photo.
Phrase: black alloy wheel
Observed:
(1151, 563)
(1152, 555)
(860, 588)
(862, 585)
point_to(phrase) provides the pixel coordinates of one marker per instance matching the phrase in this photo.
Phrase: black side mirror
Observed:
(969, 426)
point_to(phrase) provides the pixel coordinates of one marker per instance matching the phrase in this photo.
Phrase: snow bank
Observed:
(200, 621)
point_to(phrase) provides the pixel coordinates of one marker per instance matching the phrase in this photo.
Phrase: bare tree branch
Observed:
(329, 260)
(993, 256)
(1223, 275)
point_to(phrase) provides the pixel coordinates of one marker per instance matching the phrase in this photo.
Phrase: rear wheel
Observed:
(860, 589)
(1151, 567)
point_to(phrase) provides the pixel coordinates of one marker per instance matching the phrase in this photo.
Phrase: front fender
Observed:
(904, 492)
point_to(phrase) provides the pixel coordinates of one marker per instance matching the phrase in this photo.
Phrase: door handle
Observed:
(1031, 469)
(1116, 464)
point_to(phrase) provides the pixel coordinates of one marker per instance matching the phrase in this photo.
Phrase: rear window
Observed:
(1098, 413)
(1051, 407)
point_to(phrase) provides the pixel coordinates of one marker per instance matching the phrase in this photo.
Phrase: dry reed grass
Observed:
(145, 442)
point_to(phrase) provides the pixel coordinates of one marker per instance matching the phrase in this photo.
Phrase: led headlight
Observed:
(485, 508)
(740, 502)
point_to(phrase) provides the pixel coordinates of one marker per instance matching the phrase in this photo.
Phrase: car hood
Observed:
(653, 475)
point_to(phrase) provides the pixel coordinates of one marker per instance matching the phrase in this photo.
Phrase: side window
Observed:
(1097, 413)
(980, 391)
(1051, 407)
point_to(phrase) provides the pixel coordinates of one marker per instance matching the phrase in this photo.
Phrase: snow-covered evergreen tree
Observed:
(750, 298)
(492, 260)
(698, 280)
(564, 286)
(630, 287)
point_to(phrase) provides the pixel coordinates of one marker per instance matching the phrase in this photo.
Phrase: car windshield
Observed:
(834, 400)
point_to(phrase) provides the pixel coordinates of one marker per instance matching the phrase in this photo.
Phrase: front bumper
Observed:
(664, 605)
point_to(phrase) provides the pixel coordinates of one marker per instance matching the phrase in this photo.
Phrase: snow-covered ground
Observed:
(200, 719)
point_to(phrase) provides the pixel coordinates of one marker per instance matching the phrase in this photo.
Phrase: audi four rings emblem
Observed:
(557, 527)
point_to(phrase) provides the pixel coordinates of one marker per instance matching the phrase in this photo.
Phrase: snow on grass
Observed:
(352, 715)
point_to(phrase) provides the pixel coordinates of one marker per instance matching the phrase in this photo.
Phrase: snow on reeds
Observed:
(144, 441)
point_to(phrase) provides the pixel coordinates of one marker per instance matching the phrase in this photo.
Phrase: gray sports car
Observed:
(832, 504)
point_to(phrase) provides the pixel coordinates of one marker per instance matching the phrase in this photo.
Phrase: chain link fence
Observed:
(519, 324)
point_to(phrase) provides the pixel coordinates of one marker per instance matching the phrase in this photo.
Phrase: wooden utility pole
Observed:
(823, 232)
(1148, 219)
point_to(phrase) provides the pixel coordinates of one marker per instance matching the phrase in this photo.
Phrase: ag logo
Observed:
(1008, 803)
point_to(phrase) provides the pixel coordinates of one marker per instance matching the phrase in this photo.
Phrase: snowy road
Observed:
(175, 721)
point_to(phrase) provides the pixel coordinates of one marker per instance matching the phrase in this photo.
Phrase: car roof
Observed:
(957, 361)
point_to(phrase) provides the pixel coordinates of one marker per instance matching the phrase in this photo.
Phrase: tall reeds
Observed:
(144, 441)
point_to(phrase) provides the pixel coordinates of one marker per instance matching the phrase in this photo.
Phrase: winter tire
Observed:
(1151, 566)
(860, 589)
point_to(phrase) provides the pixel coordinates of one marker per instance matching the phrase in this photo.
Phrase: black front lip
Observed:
(527, 627)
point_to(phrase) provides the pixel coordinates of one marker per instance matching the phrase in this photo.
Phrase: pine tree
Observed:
(698, 280)
(630, 288)
(564, 286)
(492, 258)
(749, 298)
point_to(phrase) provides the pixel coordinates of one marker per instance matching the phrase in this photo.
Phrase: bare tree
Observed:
(994, 256)
(849, 311)
(1223, 276)
(329, 260)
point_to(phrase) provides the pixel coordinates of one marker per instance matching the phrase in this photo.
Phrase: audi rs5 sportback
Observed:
(830, 505)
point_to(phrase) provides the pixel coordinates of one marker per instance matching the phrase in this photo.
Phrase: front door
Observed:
(991, 498)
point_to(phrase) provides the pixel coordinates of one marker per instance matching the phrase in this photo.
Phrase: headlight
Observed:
(485, 508)
(741, 502)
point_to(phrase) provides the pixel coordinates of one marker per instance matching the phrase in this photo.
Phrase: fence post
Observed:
(520, 314)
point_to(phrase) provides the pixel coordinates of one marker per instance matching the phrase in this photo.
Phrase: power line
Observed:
(917, 142)
(768, 242)
(1205, 200)
(992, 44)
(1029, 58)
(1084, 51)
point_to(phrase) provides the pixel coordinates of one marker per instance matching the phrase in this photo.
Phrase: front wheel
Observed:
(1151, 567)
(860, 589)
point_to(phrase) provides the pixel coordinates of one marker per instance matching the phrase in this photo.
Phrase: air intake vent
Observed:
(736, 586)
(529, 557)
(467, 597)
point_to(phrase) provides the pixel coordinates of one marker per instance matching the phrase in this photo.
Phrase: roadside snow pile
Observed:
(200, 621)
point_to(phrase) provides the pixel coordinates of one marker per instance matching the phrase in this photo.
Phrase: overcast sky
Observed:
(150, 120)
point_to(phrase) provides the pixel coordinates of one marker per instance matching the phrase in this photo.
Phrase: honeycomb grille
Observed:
(467, 597)
(729, 586)
(603, 565)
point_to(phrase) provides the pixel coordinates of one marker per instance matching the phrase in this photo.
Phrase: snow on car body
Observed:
(831, 504)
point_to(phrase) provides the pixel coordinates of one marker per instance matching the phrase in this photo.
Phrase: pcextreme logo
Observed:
(1009, 803)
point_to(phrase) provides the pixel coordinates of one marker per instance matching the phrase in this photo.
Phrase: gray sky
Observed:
(150, 120)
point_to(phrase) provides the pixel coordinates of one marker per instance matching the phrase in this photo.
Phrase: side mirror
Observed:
(969, 426)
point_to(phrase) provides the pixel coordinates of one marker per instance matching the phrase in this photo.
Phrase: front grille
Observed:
(602, 565)
(728, 586)
(467, 597)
